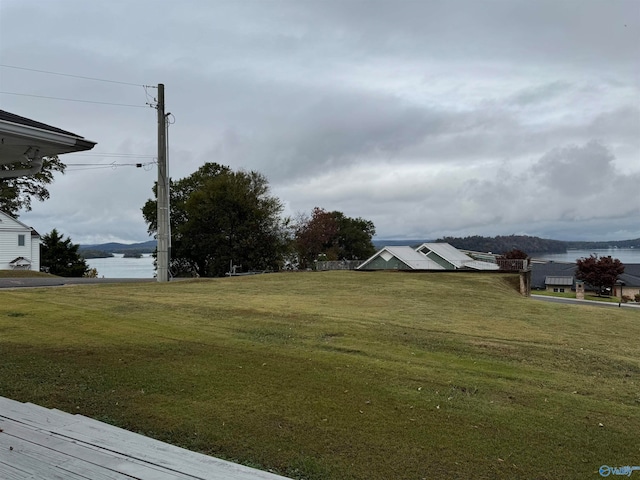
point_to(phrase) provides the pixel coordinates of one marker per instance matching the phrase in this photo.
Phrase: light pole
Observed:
(620, 284)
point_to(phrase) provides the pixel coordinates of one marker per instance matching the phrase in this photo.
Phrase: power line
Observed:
(116, 155)
(113, 165)
(75, 100)
(72, 76)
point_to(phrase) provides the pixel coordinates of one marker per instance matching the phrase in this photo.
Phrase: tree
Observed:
(334, 235)
(512, 260)
(16, 193)
(219, 217)
(61, 257)
(599, 272)
(515, 254)
(314, 236)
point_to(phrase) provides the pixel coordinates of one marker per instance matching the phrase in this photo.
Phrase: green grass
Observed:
(22, 274)
(341, 375)
(587, 296)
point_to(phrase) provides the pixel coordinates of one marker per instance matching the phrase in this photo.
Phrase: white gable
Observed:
(18, 240)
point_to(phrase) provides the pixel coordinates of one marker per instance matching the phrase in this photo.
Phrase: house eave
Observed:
(25, 142)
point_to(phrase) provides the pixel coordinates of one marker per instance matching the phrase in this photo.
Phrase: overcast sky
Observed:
(428, 117)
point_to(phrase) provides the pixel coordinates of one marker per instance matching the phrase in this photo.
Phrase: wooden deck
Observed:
(38, 443)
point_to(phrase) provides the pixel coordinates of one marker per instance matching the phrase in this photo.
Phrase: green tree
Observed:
(16, 193)
(334, 235)
(219, 217)
(61, 257)
(599, 272)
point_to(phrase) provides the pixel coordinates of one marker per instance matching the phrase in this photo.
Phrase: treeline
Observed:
(503, 244)
(635, 243)
(92, 253)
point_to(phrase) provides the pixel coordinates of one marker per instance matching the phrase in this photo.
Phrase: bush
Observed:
(91, 273)
(637, 297)
(626, 298)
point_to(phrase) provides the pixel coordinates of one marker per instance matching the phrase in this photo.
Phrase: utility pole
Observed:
(163, 193)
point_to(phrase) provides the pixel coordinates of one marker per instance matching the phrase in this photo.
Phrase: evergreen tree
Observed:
(61, 257)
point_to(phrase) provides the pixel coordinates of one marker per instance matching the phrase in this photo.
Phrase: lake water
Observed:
(120, 267)
(625, 255)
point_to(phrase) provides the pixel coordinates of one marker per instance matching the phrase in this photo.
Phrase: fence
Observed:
(338, 265)
(512, 264)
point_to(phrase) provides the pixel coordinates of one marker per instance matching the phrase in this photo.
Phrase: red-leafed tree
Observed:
(512, 260)
(599, 272)
(333, 235)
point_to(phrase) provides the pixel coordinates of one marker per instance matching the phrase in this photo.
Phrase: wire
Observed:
(116, 155)
(74, 100)
(72, 76)
(151, 100)
(113, 165)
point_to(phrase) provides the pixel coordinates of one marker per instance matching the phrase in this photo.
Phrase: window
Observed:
(555, 290)
(21, 240)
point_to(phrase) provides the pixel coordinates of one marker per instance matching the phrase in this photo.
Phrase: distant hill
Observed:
(125, 248)
(382, 242)
(506, 243)
(635, 243)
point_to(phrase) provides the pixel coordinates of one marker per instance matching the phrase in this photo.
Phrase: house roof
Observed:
(415, 259)
(455, 257)
(558, 281)
(631, 275)
(20, 261)
(13, 118)
(541, 271)
(26, 141)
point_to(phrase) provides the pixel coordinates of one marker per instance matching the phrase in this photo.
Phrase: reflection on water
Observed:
(625, 255)
(120, 267)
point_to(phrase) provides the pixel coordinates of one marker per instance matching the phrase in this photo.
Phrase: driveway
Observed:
(573, 301)
(32, 282)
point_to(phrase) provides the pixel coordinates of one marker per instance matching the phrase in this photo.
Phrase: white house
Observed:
(19, 245)
(23, 144)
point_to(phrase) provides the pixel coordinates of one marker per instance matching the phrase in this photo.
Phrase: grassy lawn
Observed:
(22, 274)
(587, 296)
(339, 375)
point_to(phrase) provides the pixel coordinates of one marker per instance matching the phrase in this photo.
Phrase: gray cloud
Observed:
(429, 118)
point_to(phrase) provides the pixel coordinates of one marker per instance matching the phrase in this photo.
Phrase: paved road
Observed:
(60, 281)
(573, 301)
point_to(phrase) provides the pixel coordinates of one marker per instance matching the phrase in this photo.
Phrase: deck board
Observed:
(37, 443)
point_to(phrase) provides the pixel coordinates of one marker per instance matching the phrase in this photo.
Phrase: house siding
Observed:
(10, 230)
(440, 261)
(393, 263)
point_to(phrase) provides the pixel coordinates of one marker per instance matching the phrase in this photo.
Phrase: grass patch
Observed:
(23, 274)
(339, 375)
(587, 296)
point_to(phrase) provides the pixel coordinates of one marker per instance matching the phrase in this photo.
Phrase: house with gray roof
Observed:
(428, 256)
(560, 276)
